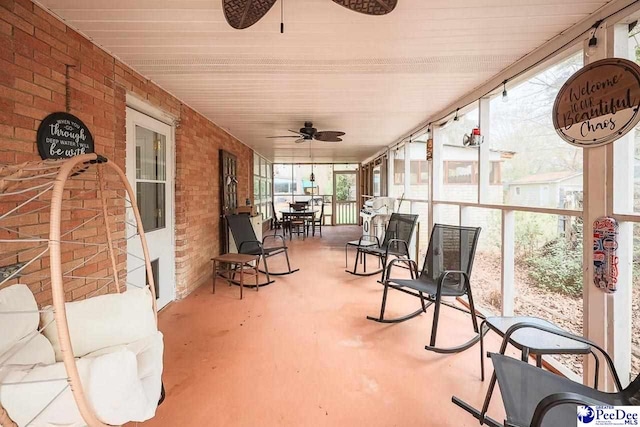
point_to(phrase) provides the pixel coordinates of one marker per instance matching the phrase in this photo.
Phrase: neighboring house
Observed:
(552, 190)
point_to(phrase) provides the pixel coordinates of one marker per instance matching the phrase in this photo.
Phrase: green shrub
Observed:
(557, 266)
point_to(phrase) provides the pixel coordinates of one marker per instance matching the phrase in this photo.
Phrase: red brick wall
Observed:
(34, 51)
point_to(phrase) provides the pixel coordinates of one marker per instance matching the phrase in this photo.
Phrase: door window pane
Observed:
(150, 155)
(150, 196)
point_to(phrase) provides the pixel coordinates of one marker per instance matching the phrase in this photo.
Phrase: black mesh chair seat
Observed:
(383, 251)
(266, 251)
(446, 272)
(396, 241)
(248, 243)
(428, 286)
(533, 397)
(524, 386)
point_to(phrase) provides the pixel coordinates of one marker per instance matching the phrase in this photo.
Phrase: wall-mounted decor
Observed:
(62, 136)
(599, 103)
(430, 149)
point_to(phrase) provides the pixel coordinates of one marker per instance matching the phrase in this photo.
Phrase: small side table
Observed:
(233, 261)
(527, 340)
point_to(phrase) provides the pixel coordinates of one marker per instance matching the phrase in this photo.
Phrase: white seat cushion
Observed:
(105, 321)
(24, 316)
(30, 350)
(122, 384)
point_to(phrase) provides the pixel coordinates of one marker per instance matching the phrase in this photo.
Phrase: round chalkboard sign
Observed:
(598, 104)
(63, 135)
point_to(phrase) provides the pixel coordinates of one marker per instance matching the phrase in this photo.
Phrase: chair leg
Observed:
(472, 309)
(286, 256)
(214, 277)
(266, 268)
(434, 324)
(482, 326)
(384, 267)
(355, 265)
(384, 300)
(424, 307)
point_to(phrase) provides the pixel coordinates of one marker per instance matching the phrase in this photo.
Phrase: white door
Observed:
(150, 160)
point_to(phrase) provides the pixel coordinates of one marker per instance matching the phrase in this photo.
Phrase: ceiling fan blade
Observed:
(241, 14)
(328, 136)
(284, 136)
(300, 140)
(369, 7)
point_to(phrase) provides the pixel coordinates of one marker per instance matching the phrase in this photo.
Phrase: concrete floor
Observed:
(300, 352)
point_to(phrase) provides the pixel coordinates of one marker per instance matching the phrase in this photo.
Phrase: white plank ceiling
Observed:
(373, 77)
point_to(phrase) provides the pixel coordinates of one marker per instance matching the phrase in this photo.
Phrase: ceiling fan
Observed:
(241, 14)
(308, 133)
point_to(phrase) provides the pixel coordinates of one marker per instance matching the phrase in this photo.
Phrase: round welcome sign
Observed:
(598, 104)
(63, 135)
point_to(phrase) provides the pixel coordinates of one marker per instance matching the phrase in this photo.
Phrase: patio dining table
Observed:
(306, 214)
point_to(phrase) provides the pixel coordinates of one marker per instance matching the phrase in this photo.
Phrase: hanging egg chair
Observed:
(88, 352)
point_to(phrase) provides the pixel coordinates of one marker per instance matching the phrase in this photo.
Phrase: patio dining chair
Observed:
(446, 272)
(533, 397)
(397, 238)
(248, 243)
(275, 222)
(316, 222)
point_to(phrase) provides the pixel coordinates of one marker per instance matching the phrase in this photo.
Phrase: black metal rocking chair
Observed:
(247, 243)
(397, 238)
(534, 397)
(446, 273)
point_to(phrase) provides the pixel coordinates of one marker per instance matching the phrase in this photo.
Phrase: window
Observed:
(523, 137)
(262, 183)
(419, 172)
(460, 172)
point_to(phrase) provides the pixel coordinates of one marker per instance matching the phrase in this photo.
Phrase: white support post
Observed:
(435, 178)
(620, 200)
(390, 172)
(595, 205)
(508, 277)
(484, 163)
(407, 169)
(465, 216)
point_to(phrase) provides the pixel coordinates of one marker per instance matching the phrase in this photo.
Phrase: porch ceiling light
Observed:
(593, 41)
(505, 95)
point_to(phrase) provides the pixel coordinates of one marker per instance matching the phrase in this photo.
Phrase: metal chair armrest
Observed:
(369, 238)
(391, 241)
(557, 399)
(444, 275)
(398, 261)
(561, 333)
(273, 236)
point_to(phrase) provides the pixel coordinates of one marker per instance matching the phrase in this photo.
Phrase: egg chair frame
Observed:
(67, 169)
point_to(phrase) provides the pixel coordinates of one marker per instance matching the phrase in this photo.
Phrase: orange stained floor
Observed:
(300, 352)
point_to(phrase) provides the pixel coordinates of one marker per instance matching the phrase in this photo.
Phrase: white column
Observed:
(484, 164)
(595, 205)
(620, 200)
(435, 178)
(465, 215)
(507, 279)
(390, 174)
(407, 169)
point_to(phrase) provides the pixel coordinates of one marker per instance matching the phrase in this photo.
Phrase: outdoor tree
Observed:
(343, 188)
